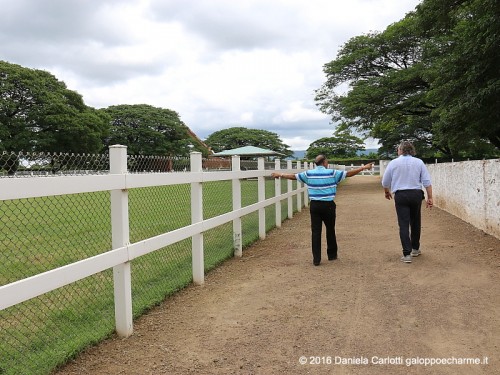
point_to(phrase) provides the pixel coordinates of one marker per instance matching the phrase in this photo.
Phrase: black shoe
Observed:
(316, 263)
(333, 257)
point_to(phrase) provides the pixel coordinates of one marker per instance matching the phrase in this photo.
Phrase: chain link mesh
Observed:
(153, 211)
(250, 222)
(38, 335)
(46, 164)
(218, 242)
(157, 164)
(41, 234)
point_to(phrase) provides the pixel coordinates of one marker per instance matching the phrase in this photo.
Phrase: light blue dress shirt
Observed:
(406, 173)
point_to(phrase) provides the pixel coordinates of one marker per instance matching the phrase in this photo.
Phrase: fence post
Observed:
(277, 192)
(289, 188)
(261, 196)
(122, 280)
(198, 263)
(382, 165)
(298, 186)
(236, 184)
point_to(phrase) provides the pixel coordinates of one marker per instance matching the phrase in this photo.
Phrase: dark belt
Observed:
(397, 191)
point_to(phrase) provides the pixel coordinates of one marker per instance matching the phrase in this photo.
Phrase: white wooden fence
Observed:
(118, 181)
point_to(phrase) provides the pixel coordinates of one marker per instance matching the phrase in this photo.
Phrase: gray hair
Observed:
(407, 148)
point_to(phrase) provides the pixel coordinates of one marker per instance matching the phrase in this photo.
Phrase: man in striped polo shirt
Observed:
(322, 187)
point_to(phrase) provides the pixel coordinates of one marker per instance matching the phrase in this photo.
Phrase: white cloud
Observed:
(246, 118)
(297, 143)
(218, 63)
(296, 111)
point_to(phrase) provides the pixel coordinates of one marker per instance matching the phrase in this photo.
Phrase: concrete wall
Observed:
(469, 190)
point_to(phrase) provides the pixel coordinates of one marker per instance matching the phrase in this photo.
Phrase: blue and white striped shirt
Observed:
(406, 173)
(321, 182)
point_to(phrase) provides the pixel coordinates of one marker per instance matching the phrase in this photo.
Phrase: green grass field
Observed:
(40, 234)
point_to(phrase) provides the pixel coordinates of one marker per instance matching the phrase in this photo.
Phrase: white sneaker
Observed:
(415, 253)
(406, 258)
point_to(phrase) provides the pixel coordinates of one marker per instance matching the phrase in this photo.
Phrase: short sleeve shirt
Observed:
(321, 182)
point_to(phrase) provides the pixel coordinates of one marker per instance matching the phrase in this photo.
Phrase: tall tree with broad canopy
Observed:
(148, 130)
(38, 113)
(464, 60)
(387, 90)
(235, 137)
(342, 145)
(431, 78)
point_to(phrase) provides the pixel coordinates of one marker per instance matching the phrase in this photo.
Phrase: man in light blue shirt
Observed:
(322, 187)
(405, 177)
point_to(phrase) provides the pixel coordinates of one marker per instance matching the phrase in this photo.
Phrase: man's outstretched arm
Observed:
(288, 176)
(354, 172)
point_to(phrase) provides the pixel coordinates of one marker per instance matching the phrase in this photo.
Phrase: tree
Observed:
(148, 130)
(431, 78)
(341, 145)
(464, 37)
(387, 95)
(235, 137)
(38, 113)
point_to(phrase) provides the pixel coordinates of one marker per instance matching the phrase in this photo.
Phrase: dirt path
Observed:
(261, 313)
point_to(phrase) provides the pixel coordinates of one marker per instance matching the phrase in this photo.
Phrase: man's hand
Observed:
(368, 166)
(429, 203)
(276, 175)
(388, 195)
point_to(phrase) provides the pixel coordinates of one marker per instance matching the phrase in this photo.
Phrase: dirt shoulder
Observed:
(367, 312)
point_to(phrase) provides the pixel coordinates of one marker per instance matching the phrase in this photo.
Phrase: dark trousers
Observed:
(323, 213)
(408, 209)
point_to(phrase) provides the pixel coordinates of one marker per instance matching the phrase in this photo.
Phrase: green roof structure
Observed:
(248, 151)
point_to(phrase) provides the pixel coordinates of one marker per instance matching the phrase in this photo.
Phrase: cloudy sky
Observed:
(218, 63)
